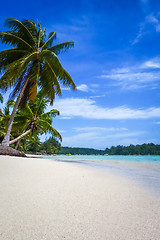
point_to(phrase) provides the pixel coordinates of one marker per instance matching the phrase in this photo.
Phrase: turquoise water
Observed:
(130, 158)
(147, 161)
(144, 170)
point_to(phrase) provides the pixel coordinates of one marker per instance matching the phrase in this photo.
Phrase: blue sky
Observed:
(115, 64)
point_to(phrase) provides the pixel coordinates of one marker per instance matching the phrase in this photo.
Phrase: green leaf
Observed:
(12, 39)
(1, 98)
(21, 29)
(49, 42)
(57, 49)
(10, 55)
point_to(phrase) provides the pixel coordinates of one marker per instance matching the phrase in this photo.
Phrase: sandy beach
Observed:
(49, 200)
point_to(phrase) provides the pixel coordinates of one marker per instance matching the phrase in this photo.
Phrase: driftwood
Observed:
(10, 151)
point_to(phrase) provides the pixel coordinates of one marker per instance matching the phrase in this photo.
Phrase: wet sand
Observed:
(48, 200)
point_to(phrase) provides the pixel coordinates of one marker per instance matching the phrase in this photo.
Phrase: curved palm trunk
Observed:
(21, 136)
(6, 139)
(18, 144)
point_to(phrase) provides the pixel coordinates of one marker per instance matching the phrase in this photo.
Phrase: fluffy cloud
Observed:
(83, 88)
(87, 108)
(153, 63)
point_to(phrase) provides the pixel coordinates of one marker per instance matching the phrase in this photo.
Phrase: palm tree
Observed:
(32, 62)
(33, 119)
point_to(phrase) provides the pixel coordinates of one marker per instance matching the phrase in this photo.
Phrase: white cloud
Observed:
(65, 117)
(133, 80)
(83, 88)
(154, 63)
(140, 34)
(87, 108)
(152, 19)
(103, 129)
(136, 77)
(149, 24)
(98, 96)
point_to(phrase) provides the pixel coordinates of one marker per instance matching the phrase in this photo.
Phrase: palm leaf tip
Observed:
(1, 98)
(50, 40)
(62, 47)
(20, 29)
(12, 23)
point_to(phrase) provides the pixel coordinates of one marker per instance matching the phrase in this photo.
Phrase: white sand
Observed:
(47, 200)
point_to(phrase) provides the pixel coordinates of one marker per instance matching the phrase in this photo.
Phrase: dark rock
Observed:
(10, 151)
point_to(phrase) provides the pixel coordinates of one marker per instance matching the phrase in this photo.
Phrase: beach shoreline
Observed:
(46, 199)
(143, 170)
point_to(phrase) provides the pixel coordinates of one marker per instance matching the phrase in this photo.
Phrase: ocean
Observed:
(144, 170)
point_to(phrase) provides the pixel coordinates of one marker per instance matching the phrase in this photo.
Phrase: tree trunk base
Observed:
(10, 151)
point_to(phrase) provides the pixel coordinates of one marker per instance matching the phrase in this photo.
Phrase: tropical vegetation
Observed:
(30, 121)
(81, 151)
(33, 119)
(31, 63)
(143, 149)
(33, 145)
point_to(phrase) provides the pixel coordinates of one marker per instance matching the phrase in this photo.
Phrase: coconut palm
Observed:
(33, 119)
(30, 63)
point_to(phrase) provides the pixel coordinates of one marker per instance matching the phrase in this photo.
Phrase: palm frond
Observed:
(10, 55)
(12, 39)
(66, 79)
(18, 86)
(15, 70)
(47, 127)
(49, 42)
(60, 72)
(9, 77)
(41, 35)
(20, 124)
(54, 78)
(1, 98)
(21, 29)
(31, 26)
(48, 82)
(52, 113)
(27, 112)
(61, 47)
